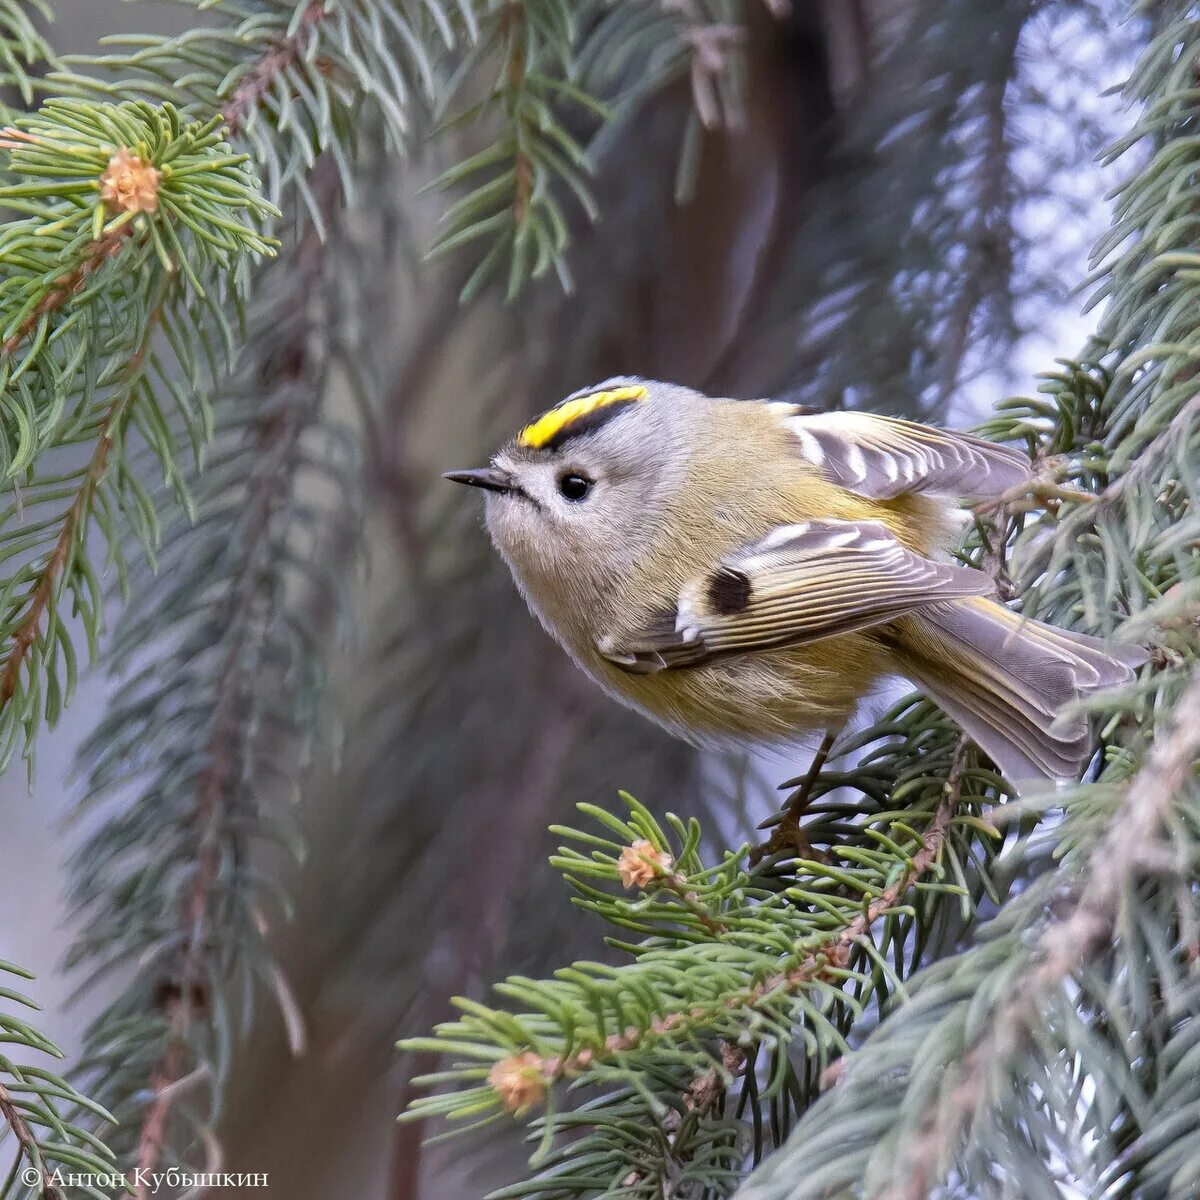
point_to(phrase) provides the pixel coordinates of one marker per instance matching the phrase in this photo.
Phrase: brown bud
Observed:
(641, 863)
(128, 184)
(519, 1081)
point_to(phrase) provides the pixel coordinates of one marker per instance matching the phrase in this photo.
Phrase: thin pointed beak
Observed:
(490, 478)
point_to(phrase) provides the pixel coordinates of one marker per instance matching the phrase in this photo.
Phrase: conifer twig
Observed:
(74, 520)
(186, 996)
(1131, 847)
(706, 1088)
(67, 285)
(513, 33)
(834, 950)
(248, 95)
(27, 1144)
(257, 82)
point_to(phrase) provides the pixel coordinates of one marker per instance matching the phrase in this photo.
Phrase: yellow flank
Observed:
(537, 433)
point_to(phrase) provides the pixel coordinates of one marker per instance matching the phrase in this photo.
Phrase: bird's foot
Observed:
(788, 836)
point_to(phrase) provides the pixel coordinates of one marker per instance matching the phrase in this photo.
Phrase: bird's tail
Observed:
(1007, 681)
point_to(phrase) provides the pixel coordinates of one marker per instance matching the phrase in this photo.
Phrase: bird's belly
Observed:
(766, 697)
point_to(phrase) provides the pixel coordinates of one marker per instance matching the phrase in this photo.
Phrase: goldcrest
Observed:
(749, 570)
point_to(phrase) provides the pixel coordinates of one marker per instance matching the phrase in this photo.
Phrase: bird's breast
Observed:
(769, 697)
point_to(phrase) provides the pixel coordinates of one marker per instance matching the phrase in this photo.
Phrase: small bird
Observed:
(749, 570)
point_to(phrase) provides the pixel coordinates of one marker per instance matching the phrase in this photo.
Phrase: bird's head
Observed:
(580, 488)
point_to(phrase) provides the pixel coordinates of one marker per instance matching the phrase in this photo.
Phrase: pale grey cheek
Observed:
(500, 530)
(499, 518)
(492, 526)
(513, 534)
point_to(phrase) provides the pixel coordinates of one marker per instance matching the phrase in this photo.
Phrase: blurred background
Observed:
(888, 208)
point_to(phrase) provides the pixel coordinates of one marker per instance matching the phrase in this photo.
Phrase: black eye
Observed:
(574, 486)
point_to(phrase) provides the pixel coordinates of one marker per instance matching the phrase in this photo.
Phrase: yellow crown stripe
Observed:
(550, 424)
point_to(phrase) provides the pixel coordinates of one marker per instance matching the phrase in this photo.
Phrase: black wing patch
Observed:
(729, 591)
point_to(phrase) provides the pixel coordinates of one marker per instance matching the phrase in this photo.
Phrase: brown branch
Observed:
(151, 1136)
(67, 285)
(10, 1115)
(29, 628)
(186, 994)
(59, 560)
(997, 533)
(255, 84)
(1132, 846)
(513, 32)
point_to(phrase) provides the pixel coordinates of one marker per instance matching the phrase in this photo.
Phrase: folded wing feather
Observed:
(884, 457)
(801, 583)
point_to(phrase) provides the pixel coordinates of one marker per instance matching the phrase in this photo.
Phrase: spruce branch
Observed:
(262, 76)
(987, 237)
(67, 285)
(509, 201)
(833, 949)
(292, 81)
(707, 974)
(140, 205)
(42, 1111)
(186, 989)
(135, 247)
(65, 160)
(563, 72)
(126, 195)
(910, 260)
(47, 581)
(1136, 846)
(243, 616)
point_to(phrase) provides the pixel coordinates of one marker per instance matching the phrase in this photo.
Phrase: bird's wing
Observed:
(799, 584)
(883, 457)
